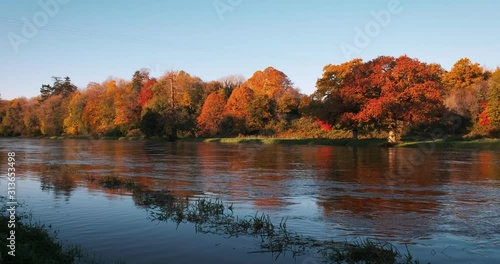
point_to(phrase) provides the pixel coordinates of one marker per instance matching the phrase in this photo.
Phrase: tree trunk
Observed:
(355, 134)
(392, 139)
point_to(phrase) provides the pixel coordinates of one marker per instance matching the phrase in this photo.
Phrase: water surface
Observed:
(442, 204)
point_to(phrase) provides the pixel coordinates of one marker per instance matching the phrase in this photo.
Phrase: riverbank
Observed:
(461, 143)
(485, 143)
(34, 243)
(304, 141)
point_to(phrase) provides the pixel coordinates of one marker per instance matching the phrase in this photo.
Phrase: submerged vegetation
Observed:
(213, 216)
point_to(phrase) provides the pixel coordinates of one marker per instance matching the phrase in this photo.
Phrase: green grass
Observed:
(487, 144)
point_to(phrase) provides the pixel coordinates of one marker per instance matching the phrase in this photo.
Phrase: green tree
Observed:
(138, 80)
(61, 86)
(260, 114)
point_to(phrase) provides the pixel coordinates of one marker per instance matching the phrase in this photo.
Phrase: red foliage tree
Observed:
(383, 91)
(146, 93)
(405, 89)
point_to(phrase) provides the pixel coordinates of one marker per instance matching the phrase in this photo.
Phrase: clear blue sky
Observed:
(92, 40)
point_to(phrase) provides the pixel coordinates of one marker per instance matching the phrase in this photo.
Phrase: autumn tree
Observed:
(403, 91)
(340, 95)
(268, 82)
(99, 111)
(146, 93)
(127, 108)
(380, 92)
(466, 91)
(30, 117)
(156, 106)
(274, 104)
(138, 80)
(12, 117)
(211, 117)
(51, 114)
(158, 113)
(182, 96)
(467, 102)
(463, 74)
(493, 106)
(74, 123)
(189, 92)
(236, 110)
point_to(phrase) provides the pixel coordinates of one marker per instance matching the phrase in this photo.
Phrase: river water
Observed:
(443, 204)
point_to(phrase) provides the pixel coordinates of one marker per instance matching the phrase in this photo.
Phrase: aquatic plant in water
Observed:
(212, 216)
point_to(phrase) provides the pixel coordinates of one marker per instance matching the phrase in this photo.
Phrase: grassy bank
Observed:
(440, 143)
(486, 144)
(304, 141)
(34, 243)
(245, 140)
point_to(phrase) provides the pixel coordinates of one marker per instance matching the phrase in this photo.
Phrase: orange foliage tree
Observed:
(127, 108)
(340, 95)
(274, 103)
(236, 110)
(211, 117)
(463, 74)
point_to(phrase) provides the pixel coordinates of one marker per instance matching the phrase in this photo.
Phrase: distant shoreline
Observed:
(461, 143)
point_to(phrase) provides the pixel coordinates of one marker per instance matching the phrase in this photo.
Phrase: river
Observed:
(443, 204)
